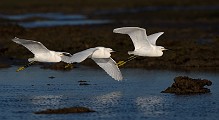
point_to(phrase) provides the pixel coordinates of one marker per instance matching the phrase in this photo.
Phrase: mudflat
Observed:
(190, 30)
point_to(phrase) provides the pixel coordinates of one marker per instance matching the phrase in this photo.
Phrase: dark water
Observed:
(53, 16)
(52, 23)
(158, 8)
(52, 19)
(136, 97)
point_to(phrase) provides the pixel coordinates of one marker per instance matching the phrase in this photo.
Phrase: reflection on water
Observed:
(52, 19)
(151, 105)
(109, 99)
(45, 100)
(136, 97)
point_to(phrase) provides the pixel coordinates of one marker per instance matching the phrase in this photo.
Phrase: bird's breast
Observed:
(150, 52)
(48, 57)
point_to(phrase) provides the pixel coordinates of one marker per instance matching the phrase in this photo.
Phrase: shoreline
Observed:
(191, 53)
(89, 63)
(192, 35)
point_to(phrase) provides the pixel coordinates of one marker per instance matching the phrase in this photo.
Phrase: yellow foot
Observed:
(120, 63)
(69, 65)
(20, 68)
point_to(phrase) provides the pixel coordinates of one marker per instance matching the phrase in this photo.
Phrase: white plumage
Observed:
(144, 45)
(41, 53)
(101, 56)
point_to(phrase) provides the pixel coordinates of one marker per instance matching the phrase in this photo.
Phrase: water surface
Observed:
(157, 8)
(136, 97)
(52, 19)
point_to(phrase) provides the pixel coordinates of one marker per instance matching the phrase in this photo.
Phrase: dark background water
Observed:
(51, 20)
(136, 97)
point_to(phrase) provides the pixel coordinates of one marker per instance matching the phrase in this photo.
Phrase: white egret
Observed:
(144, 45)
(41, 53)
(101, 56)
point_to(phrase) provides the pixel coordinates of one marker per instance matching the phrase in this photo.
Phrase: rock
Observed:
(57, 66)
(66, 110)
(82, 81)
(3, 50)
(84, 84)
(4, 65)
(51, 77)
(186, 85)
(4, 62)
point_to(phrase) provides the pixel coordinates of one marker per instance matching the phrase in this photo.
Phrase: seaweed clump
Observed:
(66, 110)
(184, 85)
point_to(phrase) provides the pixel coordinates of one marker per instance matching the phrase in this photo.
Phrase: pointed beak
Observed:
(165, 49)
(169, 49)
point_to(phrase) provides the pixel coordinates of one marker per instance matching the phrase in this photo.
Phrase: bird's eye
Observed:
(66, 54)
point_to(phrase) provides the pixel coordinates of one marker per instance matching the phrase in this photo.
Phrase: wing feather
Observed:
(109, 65)
(79, 56)
(153, 38)
(33, 46)
(138, 36)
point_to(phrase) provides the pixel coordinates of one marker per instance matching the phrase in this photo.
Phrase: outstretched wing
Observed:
(65, 57)
(138, 36)
(33, 46)
(109, 65)
(79, 57)
(153, 38)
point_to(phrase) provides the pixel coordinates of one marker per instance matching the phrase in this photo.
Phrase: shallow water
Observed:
(52, 19)
(157, 8)
(136, 97)
(53, 16)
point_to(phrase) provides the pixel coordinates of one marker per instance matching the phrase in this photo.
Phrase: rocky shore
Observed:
(184, 85)
(65, 110)
(190, 34)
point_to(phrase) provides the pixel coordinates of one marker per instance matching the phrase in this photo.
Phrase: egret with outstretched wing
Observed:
(41, 53)
(144, 45)
(101, 56)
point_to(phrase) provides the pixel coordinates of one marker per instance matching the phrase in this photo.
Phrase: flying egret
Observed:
(101, 56)
(144, 45)
(41, 53)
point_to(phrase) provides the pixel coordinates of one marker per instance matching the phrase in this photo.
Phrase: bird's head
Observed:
(110, 50)
(64, 54)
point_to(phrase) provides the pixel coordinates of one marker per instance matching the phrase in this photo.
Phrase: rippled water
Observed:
(136, 97)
